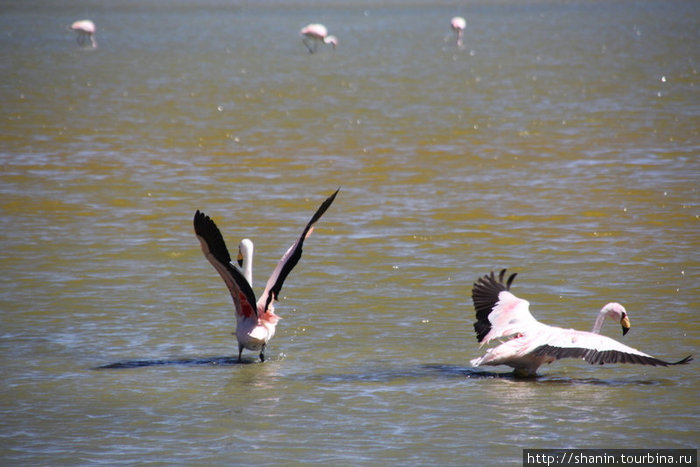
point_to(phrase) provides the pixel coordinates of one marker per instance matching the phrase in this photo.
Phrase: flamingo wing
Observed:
(499, 313)
(290, 259)
(595, 349)
(214, 249)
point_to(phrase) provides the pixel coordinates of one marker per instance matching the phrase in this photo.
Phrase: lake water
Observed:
(561, 141)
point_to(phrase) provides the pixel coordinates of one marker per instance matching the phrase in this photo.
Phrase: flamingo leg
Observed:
(305, 40)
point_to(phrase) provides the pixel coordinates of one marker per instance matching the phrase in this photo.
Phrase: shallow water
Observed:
(561, 142)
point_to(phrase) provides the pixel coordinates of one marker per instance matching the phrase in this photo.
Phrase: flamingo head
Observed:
(245, 251)
(617, 312)
(332, 40)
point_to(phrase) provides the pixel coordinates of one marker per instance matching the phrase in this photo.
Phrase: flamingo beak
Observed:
(625, 322)
(239, 260)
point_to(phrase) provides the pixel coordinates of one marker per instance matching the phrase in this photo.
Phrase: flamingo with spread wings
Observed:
(530, 344)
(255, 319)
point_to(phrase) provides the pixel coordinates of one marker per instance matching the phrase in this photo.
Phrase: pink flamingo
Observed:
(86, 32)
(458, 24)
(529, 344)
(255, 320)
(315, 33)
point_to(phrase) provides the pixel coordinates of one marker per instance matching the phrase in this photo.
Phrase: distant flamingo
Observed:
(529, 343)
(458, 24)
(86, 32)
(315, 33)
(255, 320)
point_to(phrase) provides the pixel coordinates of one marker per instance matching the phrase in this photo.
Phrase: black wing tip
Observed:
(490, 280)
(202, 223)
(510, 279)
(323, 208)
(200, 219)
(206, 228)
(486, 289)
(687, 359)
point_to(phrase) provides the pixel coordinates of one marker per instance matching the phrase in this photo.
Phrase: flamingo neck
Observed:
(598, 325)
(612, 310)
(248, 271)
(246, 251)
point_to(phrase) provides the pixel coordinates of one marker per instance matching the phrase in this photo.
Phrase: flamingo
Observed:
(529, 343)
(86, 32)
(255, 320)
(314, 33)
(458, 24)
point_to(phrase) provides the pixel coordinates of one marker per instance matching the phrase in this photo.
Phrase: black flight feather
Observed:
(205, 228)
(598, 357)
(296, 253)
(485, 296)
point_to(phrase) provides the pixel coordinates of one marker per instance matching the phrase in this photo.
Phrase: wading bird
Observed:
(458, 24)
(255, 320)
(315, 33)
(86, 32)
(529, 343)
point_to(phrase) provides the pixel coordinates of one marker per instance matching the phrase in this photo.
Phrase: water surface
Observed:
(561, 142)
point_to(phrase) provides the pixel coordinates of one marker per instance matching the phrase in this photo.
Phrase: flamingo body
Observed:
(530, 344)
(256, 320)
(86, 32)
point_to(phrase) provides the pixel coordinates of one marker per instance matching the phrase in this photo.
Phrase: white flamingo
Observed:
(86, 32)
(315, 33)
(458, 24)
(255, 320)
(529, 343)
